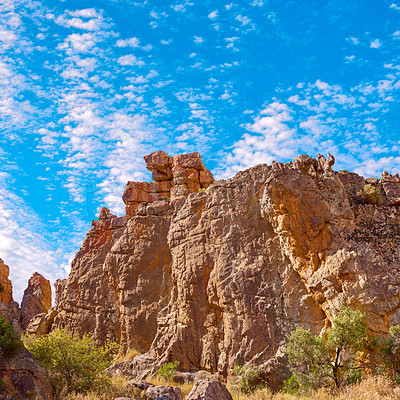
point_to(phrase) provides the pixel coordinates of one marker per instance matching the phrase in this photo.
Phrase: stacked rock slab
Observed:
(174, 178)
(220, 277)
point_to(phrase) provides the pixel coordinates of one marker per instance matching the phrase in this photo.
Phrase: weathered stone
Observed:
(163, 186)
(191, 160)
(26, 376)
(179, 190)
(41, 324)
(36, 299)
(136, 383)
(206, 178)
(163, 393)
(209, 390)
(5, 284)
(220, 278)
(156, 160)
(136, 196)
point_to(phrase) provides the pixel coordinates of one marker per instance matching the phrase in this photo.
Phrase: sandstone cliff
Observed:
(216, 274)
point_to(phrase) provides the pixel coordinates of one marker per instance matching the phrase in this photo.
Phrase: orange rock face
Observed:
(5, 284)
(217, 274)
(37, 298)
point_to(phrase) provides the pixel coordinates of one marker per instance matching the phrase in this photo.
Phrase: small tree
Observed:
(10, 341)
(73, 362)
(167, 370)
(339, 360)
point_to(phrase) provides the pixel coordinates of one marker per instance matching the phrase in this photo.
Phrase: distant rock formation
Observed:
(21, 373)
(216, 274)
(36, 300)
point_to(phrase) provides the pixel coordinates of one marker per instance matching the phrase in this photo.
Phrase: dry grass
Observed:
(117, 389)
(185, 387)
(371, 388)
(131, 353)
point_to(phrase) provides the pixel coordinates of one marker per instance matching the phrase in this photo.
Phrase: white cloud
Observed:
(395, 6)
(270, 138)
(198, 39)
(375, 44)
(213, 14)
(130, 60)
(132, 42)
(77, 43)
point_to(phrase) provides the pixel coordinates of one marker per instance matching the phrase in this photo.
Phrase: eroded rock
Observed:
(36, 299)
(209, 390)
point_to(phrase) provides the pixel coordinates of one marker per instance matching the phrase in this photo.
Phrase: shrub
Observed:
(168, 370)
(10, 341)
(248, 378)
(339, 360)
(73, 363)
(1, 288)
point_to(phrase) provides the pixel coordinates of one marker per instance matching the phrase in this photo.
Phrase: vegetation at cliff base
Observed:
(10, 342)
(336, 361)
(73, 363)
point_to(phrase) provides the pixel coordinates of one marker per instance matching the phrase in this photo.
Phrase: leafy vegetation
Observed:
(73, 363)
(1, 288)
(338, 360)
(168, 370)
(10, 341)
(248, 378)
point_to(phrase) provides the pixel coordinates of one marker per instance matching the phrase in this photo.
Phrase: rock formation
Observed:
(5, 284)
(24, 378)
(36, 300)
(216, 274)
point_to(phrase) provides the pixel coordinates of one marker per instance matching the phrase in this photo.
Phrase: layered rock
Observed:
(36, 299)
(218, 277)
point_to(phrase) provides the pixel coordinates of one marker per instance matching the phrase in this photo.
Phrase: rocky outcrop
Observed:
(209, 390)
(216, 274)
(36, 300)
(5, 284)
(24, 378)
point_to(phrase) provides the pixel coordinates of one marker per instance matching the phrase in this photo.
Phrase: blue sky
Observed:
(89, 87)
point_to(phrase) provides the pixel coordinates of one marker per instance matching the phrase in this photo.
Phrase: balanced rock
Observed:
(36, 299)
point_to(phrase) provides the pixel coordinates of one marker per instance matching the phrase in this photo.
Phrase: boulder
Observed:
(209, 390)
(163, 393)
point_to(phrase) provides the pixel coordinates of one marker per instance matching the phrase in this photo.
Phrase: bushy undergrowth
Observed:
(168, 370)
(10, 341)
(73, 363)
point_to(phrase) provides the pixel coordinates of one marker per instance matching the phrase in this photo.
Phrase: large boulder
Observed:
(209, 390)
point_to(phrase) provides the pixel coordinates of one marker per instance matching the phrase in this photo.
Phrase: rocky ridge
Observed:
(216, 274)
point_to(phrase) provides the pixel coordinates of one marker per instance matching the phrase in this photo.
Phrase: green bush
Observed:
(168, 370)
(73, 363)
(1, 288)
(249, 378)
(10, 341)
(337, 361)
